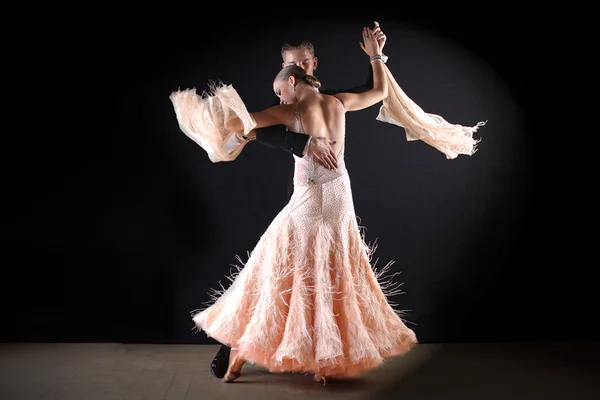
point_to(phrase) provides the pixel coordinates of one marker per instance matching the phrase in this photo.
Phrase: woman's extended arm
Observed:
(275, 115)
(359, 101)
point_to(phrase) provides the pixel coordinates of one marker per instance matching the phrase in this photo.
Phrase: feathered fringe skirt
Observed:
(308, 299)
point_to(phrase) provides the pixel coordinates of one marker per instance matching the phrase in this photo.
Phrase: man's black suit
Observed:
(294, 143)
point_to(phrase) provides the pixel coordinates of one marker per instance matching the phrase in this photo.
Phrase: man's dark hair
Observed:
(291, 45)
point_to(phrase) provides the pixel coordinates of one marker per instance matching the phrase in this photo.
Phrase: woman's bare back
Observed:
(324, 115)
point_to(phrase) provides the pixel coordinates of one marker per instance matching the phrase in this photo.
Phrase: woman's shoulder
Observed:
(335, 101)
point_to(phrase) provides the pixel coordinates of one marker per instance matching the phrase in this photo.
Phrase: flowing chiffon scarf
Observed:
(202, 118)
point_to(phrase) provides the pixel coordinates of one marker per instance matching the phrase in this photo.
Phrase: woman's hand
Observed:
(370, 45)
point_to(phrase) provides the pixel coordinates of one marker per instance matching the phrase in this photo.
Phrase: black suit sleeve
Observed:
(279, 137)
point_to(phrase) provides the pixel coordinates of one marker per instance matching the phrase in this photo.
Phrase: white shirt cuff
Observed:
(233, 143)
(307, 145)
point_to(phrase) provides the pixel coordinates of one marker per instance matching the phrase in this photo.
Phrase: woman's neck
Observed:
(304, 91)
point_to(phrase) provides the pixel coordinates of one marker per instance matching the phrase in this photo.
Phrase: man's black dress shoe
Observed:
(220, 363)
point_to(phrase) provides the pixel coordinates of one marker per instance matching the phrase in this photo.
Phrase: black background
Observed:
(118, 224)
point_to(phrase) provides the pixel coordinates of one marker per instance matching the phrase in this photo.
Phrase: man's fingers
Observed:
(327, 157)
(328, 160)
(333, 160)
(332, 155)
(377, 29)
(325, 161)
(331, 163)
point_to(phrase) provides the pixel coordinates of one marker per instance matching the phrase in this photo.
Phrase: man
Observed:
(302, 54)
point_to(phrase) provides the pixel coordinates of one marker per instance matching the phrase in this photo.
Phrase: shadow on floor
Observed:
(502, 371)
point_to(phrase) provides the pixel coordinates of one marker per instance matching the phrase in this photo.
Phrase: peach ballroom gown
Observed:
(308, 299)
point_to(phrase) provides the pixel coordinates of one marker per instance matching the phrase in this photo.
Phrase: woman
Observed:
(307, 299)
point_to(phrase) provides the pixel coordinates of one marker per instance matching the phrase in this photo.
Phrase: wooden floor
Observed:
(458, 371)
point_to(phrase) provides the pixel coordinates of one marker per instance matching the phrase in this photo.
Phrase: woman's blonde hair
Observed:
(298, 73)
